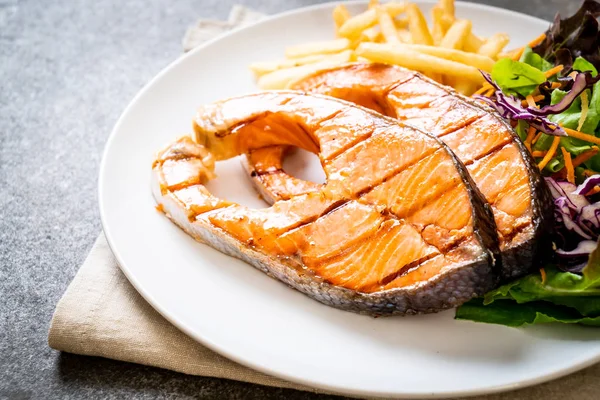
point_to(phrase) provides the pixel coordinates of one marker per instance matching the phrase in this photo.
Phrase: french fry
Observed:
(494, 45)
(370, 35)
(401, 23)
(280, 78)
(456, 35)
(405, 36)
(462, 86)
(373, 3)
(474, 60)
(325, 47)
(438, 28)
(353, 27)
(388, 29)
(418, 26)
(265, 67)
(448, 7)
(340, 16)
(472, 43)
(410, 59)
(363, 60)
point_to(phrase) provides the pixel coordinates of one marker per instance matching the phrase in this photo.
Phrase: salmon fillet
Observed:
(353, 243)
(495, 157)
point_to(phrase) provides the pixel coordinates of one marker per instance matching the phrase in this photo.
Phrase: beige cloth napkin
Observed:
(101, 314)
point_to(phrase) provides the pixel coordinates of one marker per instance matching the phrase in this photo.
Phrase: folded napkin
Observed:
(101, 314)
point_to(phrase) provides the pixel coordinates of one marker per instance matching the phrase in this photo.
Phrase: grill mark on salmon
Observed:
(479, 137)
(296, 240)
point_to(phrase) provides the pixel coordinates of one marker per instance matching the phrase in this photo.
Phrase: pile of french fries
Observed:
(393, 33)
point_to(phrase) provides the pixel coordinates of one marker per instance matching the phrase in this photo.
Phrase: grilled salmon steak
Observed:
(398, 228)
(496, 159)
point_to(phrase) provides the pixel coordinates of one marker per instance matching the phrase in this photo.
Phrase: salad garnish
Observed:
(549, 90)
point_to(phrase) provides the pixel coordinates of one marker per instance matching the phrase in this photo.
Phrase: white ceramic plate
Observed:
(259, 322)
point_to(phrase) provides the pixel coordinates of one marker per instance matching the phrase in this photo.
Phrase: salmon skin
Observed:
(362, 242)
(495, 157)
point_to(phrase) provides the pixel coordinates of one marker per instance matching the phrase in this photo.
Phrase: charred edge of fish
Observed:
(541, 204)
(442, 292)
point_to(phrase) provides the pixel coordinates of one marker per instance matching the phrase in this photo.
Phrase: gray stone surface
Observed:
(67, 70)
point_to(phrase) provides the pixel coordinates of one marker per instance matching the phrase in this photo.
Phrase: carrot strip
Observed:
(555, 85)
(518, 53)
(543, 275)
(537, 40)
(489, 92)
(536, 138)
(595, 189)
(584, 109)
(537, 98)
(529, 138)
(483, 89)
(554, 71)
(585, 156)
(530, 101)
(589, 172)
(539, 153)
(550, 154)
(582, 136)
(568, 165)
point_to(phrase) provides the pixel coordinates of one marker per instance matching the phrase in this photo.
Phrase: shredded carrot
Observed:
(483, 89)
(537, 98)
(539, 153)
(536, 138)
(595, 189)
(582, 136)
(530, 101)
(584, 109)
(550, 153)
(517, 54)
(529, 138)
(489, 92)
(585, 156)
(589, 172)
(537, 40)
(555, 85)
(553, 71)
(568, 165)
(543, 275)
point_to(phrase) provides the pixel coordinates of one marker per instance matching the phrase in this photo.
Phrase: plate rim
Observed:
(181, 325)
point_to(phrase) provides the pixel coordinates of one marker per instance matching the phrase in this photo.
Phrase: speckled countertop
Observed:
(67, 70)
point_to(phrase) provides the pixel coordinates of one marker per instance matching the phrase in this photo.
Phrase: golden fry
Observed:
(353, 27)
(418, 26)
(370, 35)
(280, 78)
(388, 29)
(447, 6)
(438, 28)
(404, 36)
(456, 35)
(393, 54)
(265, 67)
(472, 43)
(494, 45)
(401, 23)
(474, 60)
(325, 47)
(340, 16)
(373, 3)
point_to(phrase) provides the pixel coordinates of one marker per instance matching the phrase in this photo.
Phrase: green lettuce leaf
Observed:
(560, 297)
(581, 64)
(515, 77)
(535, 60)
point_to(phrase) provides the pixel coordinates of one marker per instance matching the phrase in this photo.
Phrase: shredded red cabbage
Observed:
(510, 107)
(577, 222)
